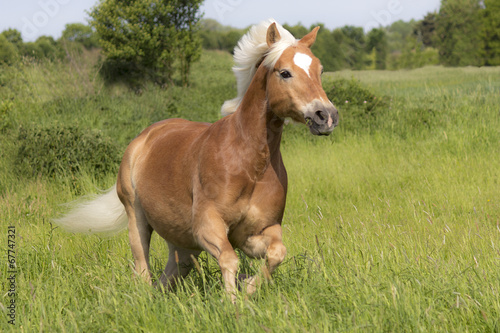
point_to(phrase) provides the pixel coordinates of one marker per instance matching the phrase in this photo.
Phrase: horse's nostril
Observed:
(321, 116)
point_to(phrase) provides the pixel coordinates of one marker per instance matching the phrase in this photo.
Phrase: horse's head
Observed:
(294, 83)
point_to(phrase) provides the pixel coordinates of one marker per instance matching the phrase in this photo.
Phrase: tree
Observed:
(8, 52)
(298, 30)
(14, 37)
(327, 49)
(490, 33)
(377, 44)
(353, 45)
(397, 34)
(216, 36)
(45, 47)
(425, 30)
(457, 30)
(80, 33)
(142, 39)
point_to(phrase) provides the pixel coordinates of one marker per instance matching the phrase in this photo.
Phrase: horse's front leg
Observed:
(266, 245)
(211, 234)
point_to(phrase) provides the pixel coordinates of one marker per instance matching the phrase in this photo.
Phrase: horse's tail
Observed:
(102, 214)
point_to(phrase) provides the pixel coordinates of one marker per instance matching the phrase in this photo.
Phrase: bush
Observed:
(349, 94)
(65, 151)
(81, 34)
(357, 104)
(5, 122)
(8, 52)
(45, 47)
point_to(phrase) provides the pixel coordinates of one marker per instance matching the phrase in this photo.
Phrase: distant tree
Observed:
(457, 30)
(208, 24)
(228, 40)
(45, 47)
(148, 39)
(490, 34)
(327, 49)
(425, 30)
(80, 33)
(377, 43)
(8, 52)
(14, 37)
(216, 36)
(397, 34)
(298, 30)
(353, 46)
(416, 55)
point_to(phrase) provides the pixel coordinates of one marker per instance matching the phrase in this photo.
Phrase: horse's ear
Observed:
(309, 39)
(273, 34)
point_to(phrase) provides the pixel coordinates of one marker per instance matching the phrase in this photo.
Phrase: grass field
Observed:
(391, 225)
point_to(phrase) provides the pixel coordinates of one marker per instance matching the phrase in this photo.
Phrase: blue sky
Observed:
(48, 17)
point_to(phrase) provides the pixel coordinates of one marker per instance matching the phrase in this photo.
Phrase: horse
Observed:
(222, 186)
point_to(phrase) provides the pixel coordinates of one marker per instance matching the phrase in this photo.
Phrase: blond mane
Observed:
(250, 50)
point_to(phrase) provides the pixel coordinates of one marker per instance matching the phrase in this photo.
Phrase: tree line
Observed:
(158, 40)
(461, 33)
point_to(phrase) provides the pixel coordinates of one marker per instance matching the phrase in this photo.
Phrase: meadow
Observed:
(392, 223)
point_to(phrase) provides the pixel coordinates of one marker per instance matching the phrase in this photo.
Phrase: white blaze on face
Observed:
(303, 61)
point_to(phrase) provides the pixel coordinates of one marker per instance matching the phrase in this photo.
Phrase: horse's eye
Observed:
(285, 74)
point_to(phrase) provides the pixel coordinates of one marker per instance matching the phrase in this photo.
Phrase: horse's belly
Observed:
(163, 183)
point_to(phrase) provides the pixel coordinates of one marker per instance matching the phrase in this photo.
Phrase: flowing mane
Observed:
(248, 54)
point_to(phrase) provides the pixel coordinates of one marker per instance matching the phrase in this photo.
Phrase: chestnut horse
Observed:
(217, 187)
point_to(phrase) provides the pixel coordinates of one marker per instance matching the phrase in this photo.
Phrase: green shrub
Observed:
(65, 151)
(8, 52)
(5, 108)
(351, 93)
(358, 105)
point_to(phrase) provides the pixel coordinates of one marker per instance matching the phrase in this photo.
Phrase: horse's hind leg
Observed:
(139, 233)
(180, 263)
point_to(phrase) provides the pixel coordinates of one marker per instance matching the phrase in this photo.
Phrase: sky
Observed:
(49, 17)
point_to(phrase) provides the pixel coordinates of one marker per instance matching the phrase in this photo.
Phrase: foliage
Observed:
(60, 150)
(142, 39)
(414, 55)
(81, 34)
(457, 27)
(8, 52)
(490, 33)
(398, 33)
(5, 109)
(44, 48)
(352, 41)
(377, 43)
(14, 36)
(74, 37)
(215, 36)
(358, 104)
(425, 30)
(353, 93)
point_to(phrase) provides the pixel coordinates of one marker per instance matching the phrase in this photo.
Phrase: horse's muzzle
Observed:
(323, 120)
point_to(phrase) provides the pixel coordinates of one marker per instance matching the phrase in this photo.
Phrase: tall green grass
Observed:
(392, 223)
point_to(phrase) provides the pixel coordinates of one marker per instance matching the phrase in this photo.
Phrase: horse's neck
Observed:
(257, 124)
